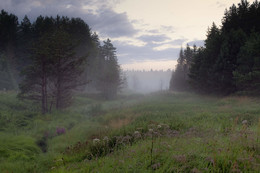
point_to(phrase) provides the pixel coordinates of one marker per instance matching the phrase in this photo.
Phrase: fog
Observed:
(148, 81)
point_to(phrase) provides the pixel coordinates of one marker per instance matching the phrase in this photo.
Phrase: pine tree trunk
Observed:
(44, 91)
(58, 96)
(58, 93)
(43, 94)
(46, 94)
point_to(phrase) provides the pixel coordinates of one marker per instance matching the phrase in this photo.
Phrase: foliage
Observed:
(247, 75)
(180, 79)
(36, 47)
(110, 77)
(54, 72)
(5, 82)
(8, 37)
(224, 65)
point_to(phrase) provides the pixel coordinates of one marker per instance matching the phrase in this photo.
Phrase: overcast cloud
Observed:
(135, 28)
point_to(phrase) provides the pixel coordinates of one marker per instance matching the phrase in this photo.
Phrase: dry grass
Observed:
(118, 123)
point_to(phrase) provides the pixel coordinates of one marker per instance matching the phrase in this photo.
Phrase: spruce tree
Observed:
(110, 79)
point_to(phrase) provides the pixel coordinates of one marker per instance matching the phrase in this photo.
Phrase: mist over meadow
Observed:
(70, 103)
(148, 81)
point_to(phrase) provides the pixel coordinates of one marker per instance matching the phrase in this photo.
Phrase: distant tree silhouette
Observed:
(180, 79)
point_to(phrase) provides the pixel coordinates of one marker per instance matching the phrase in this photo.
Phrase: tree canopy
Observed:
(229, 60)
(55, 56)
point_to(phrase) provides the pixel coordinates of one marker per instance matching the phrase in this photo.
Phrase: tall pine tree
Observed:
(110, 79)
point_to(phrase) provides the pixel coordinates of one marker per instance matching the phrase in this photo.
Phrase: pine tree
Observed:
(25, 41)
(110, 79)
(66, 68)
(54, 73)
(8, 40)
(35, 83)
(180, 77)
(225, 65)
(247, 75)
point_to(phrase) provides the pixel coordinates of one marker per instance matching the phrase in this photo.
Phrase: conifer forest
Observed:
(74, 96)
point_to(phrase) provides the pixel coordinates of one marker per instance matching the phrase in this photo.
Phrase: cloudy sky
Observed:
(148, 34)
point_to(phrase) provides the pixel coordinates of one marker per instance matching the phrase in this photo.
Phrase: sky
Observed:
(148, 34)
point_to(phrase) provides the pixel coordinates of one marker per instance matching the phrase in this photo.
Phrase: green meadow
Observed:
(159, 132)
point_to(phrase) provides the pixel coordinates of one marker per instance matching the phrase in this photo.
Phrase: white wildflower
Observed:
(150, 130)
(105, 138)
(96, 141)
(244, 122)
(136, 133)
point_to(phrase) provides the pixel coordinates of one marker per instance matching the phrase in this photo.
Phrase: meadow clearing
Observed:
(161, 132)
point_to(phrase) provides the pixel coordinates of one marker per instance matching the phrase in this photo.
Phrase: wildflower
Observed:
(159, 126)
(96, 141)
(119, 139)
(127, 138)
(150, 130)
(244, 122)
(105, 139)
(136, 133)
(156, 166)
(60, 131)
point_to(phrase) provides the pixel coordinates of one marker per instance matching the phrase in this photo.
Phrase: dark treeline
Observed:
(50, 58)
(230, 60)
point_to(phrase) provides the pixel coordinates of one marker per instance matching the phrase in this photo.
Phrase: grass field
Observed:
(162, 132)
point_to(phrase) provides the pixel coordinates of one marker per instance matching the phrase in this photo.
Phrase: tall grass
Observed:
(163, 132)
